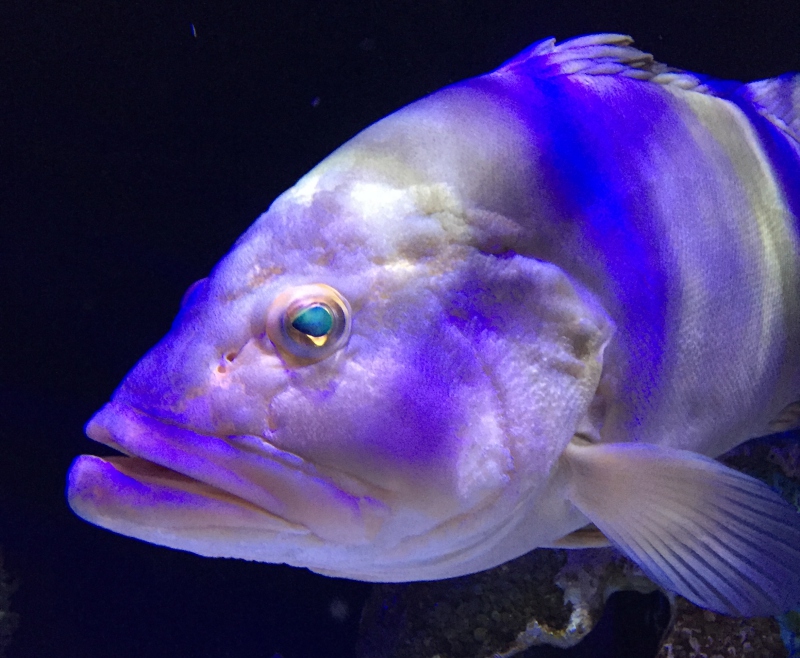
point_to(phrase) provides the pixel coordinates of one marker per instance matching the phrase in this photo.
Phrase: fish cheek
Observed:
(393, 418)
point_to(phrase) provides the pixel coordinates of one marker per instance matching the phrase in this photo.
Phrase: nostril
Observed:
(227, 359)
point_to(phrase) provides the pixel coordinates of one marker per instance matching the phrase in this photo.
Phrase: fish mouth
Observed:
(205, 493)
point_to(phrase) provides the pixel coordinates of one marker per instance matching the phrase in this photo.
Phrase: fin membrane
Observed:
(601, 54)
(720, 538)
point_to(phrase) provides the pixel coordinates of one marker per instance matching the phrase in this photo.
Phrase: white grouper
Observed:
(525, 311)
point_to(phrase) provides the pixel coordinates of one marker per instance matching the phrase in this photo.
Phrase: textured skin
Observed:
(580, 242)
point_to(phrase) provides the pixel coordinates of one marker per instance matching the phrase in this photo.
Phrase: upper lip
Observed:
(247, 467)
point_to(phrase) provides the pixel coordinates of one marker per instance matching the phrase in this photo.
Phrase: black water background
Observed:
(132, 154)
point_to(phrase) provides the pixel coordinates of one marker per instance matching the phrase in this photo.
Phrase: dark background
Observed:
(132, 154)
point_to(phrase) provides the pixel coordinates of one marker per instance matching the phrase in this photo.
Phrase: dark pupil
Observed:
(314, 321)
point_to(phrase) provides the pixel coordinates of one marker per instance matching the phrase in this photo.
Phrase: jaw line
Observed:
(138, 498)
(244, 471)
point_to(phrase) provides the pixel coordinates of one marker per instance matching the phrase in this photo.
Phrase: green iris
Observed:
(315, 321)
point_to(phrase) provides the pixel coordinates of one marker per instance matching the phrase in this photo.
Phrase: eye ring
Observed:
(309, 323)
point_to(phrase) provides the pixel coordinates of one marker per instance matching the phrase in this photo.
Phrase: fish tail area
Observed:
(777, 99)
(720, 538)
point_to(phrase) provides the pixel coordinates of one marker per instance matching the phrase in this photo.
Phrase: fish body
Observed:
(538, 299)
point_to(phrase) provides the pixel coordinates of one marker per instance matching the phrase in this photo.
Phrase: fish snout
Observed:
(245, 471)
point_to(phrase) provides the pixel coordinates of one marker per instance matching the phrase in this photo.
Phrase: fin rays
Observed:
(600, 54)
(708, 547)
(689, 577)
(718, 537)
(690, 563)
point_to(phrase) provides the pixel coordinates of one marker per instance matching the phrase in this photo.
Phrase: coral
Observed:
(467, 616)
(697, 632)
(552, 597)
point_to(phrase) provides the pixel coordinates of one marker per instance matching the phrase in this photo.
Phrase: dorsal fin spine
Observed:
(599, 54)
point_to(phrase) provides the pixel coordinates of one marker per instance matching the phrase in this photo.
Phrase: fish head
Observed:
(366, 385)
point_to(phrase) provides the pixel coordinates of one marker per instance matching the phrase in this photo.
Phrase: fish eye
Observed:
(308, 323)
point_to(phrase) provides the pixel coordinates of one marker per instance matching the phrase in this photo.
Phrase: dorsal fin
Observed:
(601, 54)
(777, 99)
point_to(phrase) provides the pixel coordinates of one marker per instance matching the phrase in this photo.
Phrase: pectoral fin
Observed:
(720, 538)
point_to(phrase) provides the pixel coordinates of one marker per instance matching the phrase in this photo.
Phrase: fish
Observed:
(528, 310)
